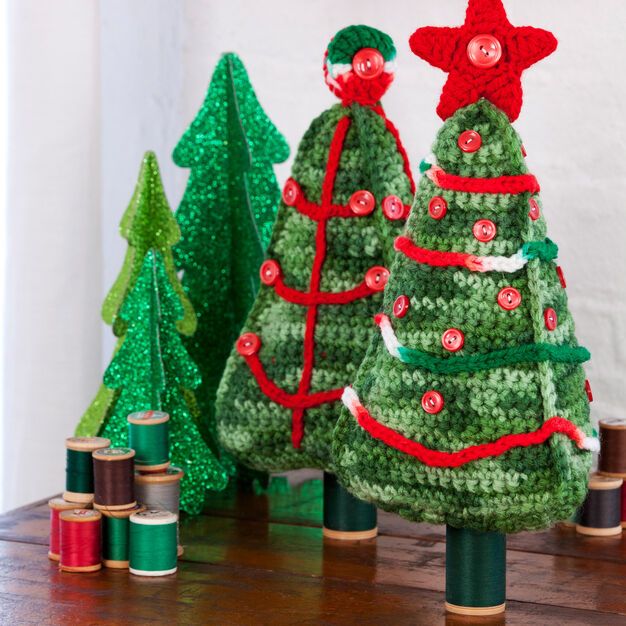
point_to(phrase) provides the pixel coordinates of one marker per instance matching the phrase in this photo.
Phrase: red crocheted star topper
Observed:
(485, 57)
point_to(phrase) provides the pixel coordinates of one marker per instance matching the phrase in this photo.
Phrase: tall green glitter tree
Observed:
(225, 217)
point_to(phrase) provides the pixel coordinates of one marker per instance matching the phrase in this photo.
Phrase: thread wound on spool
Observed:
(148, 433)
(114, 487)
(612, 461)
(153, 548)
(346, 517)
(115, 537)
(79, 485)
(600, 514)
(80, 540)
(56, 505)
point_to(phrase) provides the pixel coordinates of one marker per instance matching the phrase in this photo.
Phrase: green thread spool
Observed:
(153, 543)
(79, 486)
(148, 435)
(115, 537)
(475, 571)
(345, 517)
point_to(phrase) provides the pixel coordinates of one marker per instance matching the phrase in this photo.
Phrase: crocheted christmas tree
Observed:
(225, 218)
(308, 329)
(470, 406)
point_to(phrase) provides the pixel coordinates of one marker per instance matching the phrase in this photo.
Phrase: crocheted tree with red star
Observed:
(470, 407)
(308, 330)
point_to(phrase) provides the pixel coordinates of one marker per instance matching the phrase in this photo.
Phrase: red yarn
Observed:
(432, 257)
(321, 297)
(521, 183)
(446, 48)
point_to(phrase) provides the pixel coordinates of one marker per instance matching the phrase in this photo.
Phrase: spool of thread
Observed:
(79, 468)
(148, 435)
(115, 537)
(475, 572)
(601, 513)
(153, 543)
(114, 483)
(80, 541)
(57, 505)
(612, 461)
(623, 505)
(161, 491)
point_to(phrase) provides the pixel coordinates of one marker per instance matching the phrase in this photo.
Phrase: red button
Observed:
(559, 273)
(588, 391)
(437, 207)
(484, 230)
(550, 318)
(362, 202)
(469, 141)
(453, 339)
(393, 208)
(509, 298)
(270, 271)
(291, 191)
(484, 51)
(401, 306)
(368, 63)
(376, 278)
(248, 344)
(432, 402)
(534, 212)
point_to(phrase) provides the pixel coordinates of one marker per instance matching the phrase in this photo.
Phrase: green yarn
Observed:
(533, 353)
(350, 40)
(545, 250)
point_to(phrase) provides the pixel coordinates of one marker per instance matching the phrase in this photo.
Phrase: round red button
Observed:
(270, 271)
(588, 390)
(368, 63)
(393, 208)
(509, 298)
(376, 278)
(432, 402)
(534, 212)
(550, 318)
(559, 273)
(453, 339)
(248, 344)
(401, 306)
(437, 207)
(484, 51)
(469, 141)
(484, 230)
(291, 191)
(362, 202)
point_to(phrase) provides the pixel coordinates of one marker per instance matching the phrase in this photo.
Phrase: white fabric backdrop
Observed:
(93, 85)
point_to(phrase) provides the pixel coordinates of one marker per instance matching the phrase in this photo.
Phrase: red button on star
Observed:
(534, 212)
(470, 141)
(484, 51)
(362, 202)
(559, 273)
(291, 191)
(453, 339)
(376, 278)
(248, 344)
(509, 298)
(368, 63)
(432, 402)
(484, 230)
(437, 207)
(270, 271)
(393, 208)
(588, 390)
(401, 306)
(550, 318)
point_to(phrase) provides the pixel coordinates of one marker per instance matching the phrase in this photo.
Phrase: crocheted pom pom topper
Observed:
(359, 64)
(483, 58)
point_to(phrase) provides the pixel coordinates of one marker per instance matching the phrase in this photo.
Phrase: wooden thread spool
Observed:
(115, 537)
(600, 515)
(114, 479)
(623, 505)
(148, 435)
(161, 491)
(612, 461)
(153, 543)
(57, 505)
(80, 541)
(79, 468)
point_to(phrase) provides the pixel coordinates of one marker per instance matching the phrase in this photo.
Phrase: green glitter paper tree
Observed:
(225, 217)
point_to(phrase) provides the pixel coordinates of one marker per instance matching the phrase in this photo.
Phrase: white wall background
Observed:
(94, 84)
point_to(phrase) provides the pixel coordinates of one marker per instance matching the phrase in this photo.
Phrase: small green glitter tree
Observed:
(226, 218)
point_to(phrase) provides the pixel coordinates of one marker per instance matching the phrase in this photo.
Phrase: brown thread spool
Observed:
(114, 479)
(80, 541)
(79, 467)
(612, 461)
(56, 506)
(600, 515)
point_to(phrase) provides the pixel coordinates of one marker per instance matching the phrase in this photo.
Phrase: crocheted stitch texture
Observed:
(524, 487)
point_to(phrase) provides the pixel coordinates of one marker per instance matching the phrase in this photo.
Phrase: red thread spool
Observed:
(80, 541)
(57, 505)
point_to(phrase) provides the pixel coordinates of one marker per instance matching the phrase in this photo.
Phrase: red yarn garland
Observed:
(306, 298)
(522, 183)
(432, 257)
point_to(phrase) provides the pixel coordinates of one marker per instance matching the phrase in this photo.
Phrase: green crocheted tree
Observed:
(470, 406)
(225, 217)
(311, 322)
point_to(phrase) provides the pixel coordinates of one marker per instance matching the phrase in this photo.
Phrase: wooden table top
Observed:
(261, 559)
